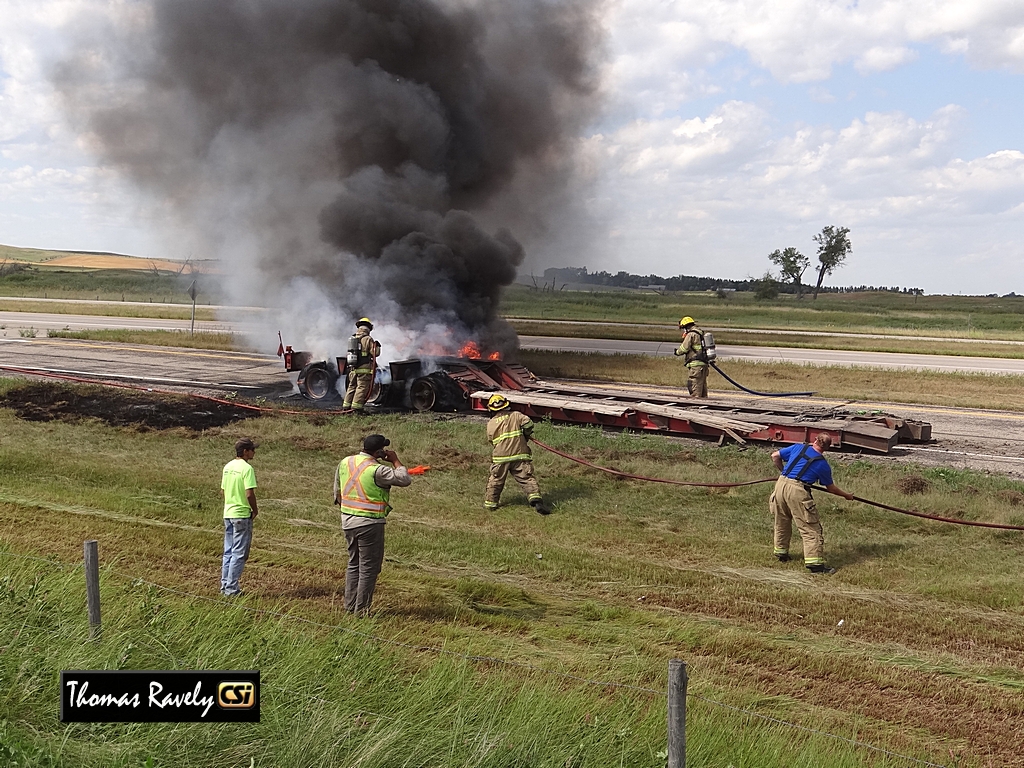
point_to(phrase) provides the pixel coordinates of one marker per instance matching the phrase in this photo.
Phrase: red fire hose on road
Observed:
(617, 473)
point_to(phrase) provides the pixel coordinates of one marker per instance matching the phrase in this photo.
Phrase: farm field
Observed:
(537, 641)
(114, 285)
(10, 254)
(880, 312)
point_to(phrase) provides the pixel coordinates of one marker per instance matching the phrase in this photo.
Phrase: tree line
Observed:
(833, 247)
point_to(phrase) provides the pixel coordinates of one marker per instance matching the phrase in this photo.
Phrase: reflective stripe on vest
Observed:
(360, 495)
(507, 459)
(506, 435)
(512, 434)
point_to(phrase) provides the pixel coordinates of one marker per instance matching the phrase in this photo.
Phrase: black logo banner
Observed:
(191, 696)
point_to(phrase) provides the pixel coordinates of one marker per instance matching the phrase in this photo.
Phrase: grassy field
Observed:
(199, 340)
(105, 285)
(488, 626)
(112, 309)
(955, 316)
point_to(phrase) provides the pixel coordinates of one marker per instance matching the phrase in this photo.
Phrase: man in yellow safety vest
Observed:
(362, 486)
(508, 432)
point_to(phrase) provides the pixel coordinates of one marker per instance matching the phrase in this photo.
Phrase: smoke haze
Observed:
(348, 157)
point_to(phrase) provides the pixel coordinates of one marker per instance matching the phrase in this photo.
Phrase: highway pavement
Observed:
(15, 323)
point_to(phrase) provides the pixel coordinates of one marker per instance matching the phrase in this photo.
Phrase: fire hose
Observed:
(880, 505)
(538, 443)
(735, 383)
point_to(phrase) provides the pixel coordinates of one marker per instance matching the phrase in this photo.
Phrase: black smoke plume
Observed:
(348, 157)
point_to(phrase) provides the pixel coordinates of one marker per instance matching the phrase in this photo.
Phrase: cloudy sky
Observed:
(731, 128)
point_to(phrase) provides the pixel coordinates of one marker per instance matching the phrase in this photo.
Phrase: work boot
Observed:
(540, 507)
(783, 557)
(820, 568)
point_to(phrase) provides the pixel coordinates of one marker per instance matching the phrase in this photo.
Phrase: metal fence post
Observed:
(677, 680)
(92, 587)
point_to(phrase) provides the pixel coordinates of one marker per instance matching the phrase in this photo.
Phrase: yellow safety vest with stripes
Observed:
(508, 433)
(358, 493)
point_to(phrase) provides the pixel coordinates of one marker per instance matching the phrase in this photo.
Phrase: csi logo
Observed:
(236, 695)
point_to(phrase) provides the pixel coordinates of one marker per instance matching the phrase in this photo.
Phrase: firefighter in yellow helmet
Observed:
(508, 432)
(362, 364)
(694, 356)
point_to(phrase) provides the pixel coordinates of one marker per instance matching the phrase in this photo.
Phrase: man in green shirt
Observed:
(238, 485)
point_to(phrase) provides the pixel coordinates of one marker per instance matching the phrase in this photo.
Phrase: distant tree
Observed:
(792, 264)
(767, 288)
(833, 247)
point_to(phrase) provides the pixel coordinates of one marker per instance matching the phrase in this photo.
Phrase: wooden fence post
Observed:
(92, 587)
(677, 680)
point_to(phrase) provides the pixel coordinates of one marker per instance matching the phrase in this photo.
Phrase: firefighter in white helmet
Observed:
(361, 361)
(695, 358)
(509, 432)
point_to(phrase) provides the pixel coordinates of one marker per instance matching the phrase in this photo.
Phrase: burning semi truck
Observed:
(420, 384)
(464, 382)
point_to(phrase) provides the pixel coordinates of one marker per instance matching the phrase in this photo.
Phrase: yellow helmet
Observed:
(364, 321)
(497, 402)
(686, 321)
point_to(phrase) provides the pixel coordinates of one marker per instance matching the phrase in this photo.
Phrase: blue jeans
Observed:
(237, 538)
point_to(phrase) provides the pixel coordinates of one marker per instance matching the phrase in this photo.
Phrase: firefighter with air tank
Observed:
(509, 432)
(697, 351)
(361, 362)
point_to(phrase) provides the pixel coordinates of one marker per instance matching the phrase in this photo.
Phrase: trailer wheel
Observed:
(437, 392)
(316, 382)
(423, 395)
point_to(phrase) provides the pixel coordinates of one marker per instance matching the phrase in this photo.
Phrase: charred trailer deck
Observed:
(464, 384)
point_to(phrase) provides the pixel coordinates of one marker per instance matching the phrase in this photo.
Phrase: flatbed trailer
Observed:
(464, 384)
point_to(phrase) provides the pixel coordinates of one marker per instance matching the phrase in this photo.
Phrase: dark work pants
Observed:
(365, 557)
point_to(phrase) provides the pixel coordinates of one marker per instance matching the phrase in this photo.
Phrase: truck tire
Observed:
(316, 382)
(437, 392)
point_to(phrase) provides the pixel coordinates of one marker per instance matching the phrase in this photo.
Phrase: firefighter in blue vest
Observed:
(362, 486)
(791, 501)
(361, 363)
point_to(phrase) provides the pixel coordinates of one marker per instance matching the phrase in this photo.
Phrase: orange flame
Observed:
(471, 350)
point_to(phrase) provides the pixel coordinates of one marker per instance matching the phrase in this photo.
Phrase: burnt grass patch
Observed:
(911, 484)
(46, 401)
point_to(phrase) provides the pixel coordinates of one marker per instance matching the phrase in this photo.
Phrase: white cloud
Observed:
(883, 58)
(801, 40)
(721, 190)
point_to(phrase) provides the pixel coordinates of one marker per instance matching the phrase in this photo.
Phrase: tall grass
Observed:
(621, 578)
(198, 340)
